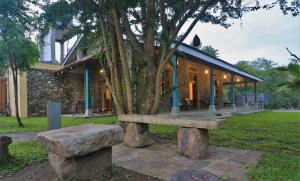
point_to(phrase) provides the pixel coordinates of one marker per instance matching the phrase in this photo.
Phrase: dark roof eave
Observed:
(254, 77)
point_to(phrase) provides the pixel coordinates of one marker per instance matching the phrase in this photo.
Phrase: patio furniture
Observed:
(78, 106)
(187, 103)
(192, 136)
(82, 152)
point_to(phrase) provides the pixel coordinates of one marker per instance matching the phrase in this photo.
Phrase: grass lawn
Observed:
(275, 133)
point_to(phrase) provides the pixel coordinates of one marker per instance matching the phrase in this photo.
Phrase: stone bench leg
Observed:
(137, 135)
(94, 166)
(193, 142)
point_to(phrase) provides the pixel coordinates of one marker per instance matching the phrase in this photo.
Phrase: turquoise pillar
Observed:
(88, 104)
(245, 93)
(232, 92)
(175, 104)
(212, 89)
(255, 93)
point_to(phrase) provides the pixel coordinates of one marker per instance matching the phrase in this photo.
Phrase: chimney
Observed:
(196, 42)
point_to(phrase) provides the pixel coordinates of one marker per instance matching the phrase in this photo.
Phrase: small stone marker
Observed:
(82, 152)
(4, 153)
(54, 115)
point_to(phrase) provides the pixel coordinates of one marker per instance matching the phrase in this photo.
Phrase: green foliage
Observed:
(25, 53)
(24, 153)
(210, 51)
(280, 83)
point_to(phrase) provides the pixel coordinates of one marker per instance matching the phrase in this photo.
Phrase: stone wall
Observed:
(43, 85)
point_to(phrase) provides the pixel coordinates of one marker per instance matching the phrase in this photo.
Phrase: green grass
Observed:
(37, 124)
(276, 167)
(25, 153)
(275, 133)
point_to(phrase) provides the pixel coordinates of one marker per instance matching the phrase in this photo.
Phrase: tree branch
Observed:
(292, 54)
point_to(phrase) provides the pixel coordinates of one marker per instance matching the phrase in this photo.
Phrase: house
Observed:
(201, 81)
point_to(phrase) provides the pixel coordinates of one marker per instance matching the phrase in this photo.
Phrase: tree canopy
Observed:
(152, 30)
(17, 52)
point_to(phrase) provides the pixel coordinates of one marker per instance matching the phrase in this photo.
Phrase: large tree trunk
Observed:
(15, 81)
(124, 61)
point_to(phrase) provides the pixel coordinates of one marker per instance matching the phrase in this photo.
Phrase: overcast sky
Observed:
(262, 34)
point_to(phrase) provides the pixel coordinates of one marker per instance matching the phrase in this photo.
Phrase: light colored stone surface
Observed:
(137, 135)
(20, 137)
(81, 140)
(162, 159)
(193, 122)
(94, 166)
(193, 142)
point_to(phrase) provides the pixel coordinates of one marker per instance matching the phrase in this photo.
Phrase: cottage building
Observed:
(201, 82)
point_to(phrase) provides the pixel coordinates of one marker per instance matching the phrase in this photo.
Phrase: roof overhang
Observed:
(201, 56)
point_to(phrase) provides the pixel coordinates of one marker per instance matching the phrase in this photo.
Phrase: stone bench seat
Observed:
(192, 136)
(82, 152)
(188, 122)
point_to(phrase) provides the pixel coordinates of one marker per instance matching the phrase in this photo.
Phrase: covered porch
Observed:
(92, 97)
(204, 84)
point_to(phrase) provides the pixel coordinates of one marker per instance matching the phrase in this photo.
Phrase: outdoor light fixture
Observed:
(238, 80)
(225, 76)
(101, 71)
(206, 71)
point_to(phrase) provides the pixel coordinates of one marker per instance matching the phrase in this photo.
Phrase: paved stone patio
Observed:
(162, 159)
(20, 137)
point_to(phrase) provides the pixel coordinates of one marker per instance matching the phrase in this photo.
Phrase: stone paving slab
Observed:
(20, 137)
(162, 159)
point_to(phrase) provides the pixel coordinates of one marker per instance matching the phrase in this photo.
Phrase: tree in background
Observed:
(17, 52)
(210, 51)
(153, 30)
(278, 82)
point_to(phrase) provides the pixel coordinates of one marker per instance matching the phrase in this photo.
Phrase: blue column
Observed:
(88, 105)
(175, 105)
(245, 93)
(212, 90)
(232, 92)
(255, 93)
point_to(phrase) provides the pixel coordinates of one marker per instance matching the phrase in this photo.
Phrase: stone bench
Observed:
(192, 136)
(82, 152)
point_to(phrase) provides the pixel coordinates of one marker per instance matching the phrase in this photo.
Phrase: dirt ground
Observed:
(44, 172)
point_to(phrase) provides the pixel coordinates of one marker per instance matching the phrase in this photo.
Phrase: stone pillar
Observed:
(137, 135)
(245, 94)
(212, 90)
(52, 34)
(62, 51)
(88, 104)
(175, 105)
(193, 142)
(4, 153)
(232, 92)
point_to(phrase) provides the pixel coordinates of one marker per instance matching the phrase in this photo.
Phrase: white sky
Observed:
(262, 34)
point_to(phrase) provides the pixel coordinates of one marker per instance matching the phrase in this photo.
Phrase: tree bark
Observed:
(15, 82)
(124, 62)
